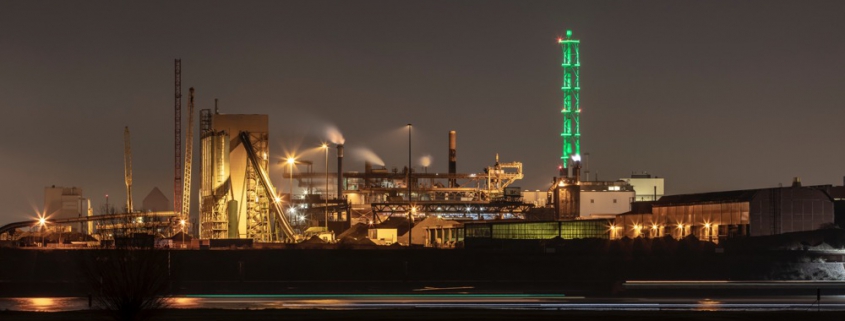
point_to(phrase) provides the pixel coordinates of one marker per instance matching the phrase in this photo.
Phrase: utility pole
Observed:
(410, 199)
(127, 169)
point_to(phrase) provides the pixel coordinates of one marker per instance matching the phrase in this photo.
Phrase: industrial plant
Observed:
(239, 207)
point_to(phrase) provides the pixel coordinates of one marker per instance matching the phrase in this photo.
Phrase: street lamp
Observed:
(326, 148)
(182, 223)
(42, 222)
(291, 161)
(410, 216)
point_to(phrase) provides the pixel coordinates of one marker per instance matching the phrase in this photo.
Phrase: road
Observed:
(456, 300)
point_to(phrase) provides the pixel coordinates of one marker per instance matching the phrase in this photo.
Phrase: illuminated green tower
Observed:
(571, 108)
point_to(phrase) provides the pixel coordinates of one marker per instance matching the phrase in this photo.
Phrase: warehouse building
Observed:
(719, 215)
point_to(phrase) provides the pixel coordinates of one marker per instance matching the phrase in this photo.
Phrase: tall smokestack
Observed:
(453, 156)
(339, 171)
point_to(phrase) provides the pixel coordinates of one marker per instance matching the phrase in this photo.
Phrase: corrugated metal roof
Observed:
(712, 197)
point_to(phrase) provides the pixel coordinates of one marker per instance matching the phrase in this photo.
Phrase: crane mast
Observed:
(177, 173)
(127, 169)
(189, 152)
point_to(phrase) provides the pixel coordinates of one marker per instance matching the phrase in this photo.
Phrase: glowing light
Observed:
(571, 88)
(291, 160)
(576, 158)
(42, 302)
(636, 227)
(324, 145)
(42, 221)
(182, 222)
(654, 226)
(706, 225)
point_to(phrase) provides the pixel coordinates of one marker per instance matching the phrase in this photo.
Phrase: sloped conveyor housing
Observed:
(265, 181)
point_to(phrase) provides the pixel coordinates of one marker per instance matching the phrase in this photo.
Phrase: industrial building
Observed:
(64, 202)
(718, 215)
(604, 199)
(233, 203)
(238, 203)
(481, 234)
(646, 186)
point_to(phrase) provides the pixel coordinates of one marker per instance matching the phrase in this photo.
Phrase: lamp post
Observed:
(182, 223)
(291, 161)
(41, 223)
(410, 215)
(326, 148)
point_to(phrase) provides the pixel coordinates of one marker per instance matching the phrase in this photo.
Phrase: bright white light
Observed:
(291, 160)
(182, 222)
(576, 157)
(42, 221)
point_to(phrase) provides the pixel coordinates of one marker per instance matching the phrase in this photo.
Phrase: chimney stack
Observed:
(453, 163)
(340, 171)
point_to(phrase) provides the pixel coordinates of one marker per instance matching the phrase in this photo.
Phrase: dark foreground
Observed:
(437, 314)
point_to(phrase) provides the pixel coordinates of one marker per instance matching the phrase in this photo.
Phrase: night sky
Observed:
(711, 95)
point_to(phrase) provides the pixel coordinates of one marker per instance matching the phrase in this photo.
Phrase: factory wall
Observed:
(711, 216)
(784, 210)
(538, 230)
(645, 187)
(64, 202)
(605, 202)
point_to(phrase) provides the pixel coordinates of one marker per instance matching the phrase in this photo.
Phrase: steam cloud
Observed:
(367, 155)
(334, 135)
(425, 161)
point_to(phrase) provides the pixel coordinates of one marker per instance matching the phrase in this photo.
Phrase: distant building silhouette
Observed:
(156, 201)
